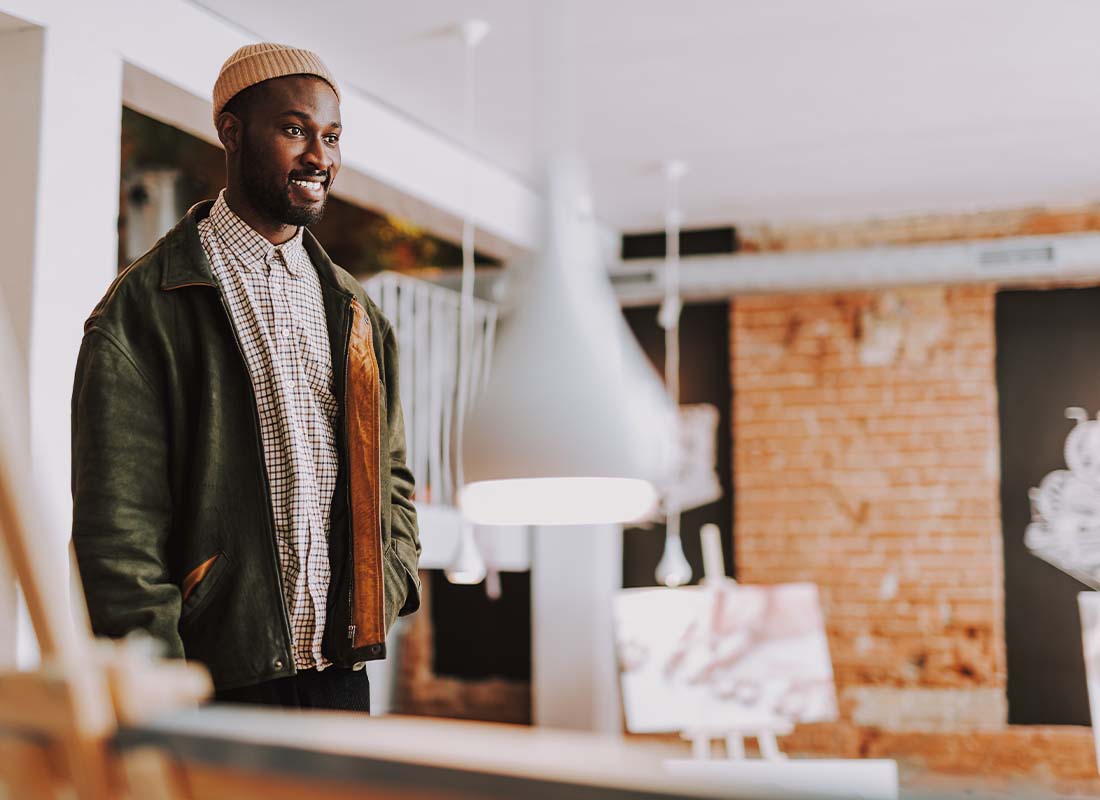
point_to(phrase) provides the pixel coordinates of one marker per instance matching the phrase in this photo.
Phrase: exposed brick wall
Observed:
(866, 461)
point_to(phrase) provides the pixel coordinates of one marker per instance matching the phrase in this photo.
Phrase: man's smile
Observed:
(311, 189)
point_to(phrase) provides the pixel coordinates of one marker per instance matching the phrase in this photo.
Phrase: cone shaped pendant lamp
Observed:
(574, 427)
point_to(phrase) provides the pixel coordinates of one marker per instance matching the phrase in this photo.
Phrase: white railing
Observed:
(426, 319)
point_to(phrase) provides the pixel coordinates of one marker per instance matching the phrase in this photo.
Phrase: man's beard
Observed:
(272, 197)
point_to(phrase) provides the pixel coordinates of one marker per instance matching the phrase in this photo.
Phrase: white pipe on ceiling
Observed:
(1012, 261)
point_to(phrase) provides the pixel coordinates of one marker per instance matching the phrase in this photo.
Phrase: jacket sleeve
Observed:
(403, 524)
(121, 495)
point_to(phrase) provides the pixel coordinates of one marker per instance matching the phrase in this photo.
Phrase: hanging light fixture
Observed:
(467, 566)
(573, 427)
(673, 569)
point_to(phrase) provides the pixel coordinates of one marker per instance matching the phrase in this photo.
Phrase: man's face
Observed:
(290, 149)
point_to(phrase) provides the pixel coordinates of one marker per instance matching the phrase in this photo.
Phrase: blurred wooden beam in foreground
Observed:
(267, 754)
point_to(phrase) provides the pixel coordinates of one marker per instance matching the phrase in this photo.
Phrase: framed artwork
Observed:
(724, 656)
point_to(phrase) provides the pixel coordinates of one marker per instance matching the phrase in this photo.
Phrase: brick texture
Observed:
(866, 461)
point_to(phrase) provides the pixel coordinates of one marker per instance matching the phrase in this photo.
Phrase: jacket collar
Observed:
(185, 263)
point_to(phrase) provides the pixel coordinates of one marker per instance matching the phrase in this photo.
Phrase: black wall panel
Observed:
(1048, 358)
(704, 378)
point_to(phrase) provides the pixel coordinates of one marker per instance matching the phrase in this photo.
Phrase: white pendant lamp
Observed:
(574, 427)
(467, 565)
(673, 569)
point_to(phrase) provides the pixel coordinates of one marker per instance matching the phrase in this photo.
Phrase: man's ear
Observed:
(230, 131)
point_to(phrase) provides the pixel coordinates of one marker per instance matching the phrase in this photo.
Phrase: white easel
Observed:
(764, 731)
(773, 775)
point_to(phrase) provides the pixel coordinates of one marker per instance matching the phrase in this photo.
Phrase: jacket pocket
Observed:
(402, 587)
(199, 587)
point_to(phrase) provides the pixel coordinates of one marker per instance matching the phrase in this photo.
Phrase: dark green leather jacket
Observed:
(172, 521)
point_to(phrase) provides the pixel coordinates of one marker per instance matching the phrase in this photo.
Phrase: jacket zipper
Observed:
(267, 482)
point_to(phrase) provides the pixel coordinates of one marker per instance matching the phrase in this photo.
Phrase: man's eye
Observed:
(293, 130)
(332, 138)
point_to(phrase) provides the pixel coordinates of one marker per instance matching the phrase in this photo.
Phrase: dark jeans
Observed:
(334, 688)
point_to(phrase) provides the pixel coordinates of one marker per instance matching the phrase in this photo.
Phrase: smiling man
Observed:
(239, 479)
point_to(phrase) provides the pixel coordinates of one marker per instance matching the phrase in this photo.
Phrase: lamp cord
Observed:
(669, 316)
(473, 32)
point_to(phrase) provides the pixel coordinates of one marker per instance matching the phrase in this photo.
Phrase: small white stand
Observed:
(702, 739)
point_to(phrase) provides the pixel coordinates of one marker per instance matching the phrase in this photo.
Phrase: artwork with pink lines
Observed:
(727, 655)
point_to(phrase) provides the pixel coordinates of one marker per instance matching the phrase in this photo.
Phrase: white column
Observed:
(58, 222)
(20, 57)
(575, 573)
(20, 91)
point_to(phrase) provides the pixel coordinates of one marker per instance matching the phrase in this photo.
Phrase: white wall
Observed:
(20, 63)
(58, 220)
(20, 60)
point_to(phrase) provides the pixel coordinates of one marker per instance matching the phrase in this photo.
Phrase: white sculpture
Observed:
(1065, 507)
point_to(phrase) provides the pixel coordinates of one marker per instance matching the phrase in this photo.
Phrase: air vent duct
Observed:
(1016, 255)
(1016, 261)
(633, 278)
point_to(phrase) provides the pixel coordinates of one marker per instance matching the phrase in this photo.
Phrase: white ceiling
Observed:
(784, 110)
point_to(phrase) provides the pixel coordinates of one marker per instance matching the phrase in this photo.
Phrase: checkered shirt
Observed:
(274, 299)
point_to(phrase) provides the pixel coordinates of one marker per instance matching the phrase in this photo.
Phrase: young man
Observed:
(239, 480)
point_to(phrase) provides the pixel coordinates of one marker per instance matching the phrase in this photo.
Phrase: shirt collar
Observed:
(250, 246)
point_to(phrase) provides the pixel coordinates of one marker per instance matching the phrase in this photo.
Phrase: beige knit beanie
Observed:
(254, 63)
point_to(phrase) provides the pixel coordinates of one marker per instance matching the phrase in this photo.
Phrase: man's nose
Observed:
(317, 155)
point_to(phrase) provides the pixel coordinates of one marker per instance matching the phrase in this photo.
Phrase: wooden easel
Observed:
(56, 722)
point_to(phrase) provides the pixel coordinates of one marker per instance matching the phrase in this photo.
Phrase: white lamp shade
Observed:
(558, 501)
(574, 425)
